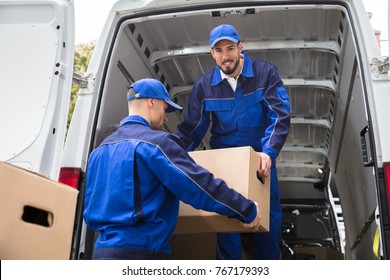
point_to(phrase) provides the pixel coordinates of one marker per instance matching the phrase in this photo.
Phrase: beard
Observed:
(230, 70)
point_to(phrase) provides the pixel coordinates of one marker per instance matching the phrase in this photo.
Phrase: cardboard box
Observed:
(318, 253)
(238, 167)
(197, 246)
(37, 215)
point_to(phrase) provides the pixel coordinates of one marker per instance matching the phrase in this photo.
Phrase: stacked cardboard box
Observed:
(37, 215)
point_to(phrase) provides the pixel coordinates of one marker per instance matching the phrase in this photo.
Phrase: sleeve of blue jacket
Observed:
(194, 184)
(278, 103)
(196, 121)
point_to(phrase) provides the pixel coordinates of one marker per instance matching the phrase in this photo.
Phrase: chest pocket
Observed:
(223, 114)
(254, 103)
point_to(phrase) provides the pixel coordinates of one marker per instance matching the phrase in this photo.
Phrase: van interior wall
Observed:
(315, 52)
(355, 183)
(114, 99)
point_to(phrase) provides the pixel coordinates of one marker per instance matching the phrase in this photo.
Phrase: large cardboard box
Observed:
(197, 246)
(318, 253)
(238, 167)
(36, 216)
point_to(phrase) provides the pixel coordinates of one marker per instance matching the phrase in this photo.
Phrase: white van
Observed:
(334, 170)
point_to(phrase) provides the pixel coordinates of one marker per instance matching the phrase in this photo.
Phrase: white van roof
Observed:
(137, 5)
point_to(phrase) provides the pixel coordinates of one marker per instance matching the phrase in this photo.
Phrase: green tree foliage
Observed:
(82, 55)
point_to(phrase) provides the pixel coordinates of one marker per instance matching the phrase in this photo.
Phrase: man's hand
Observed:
(265, 164)
(255, 224)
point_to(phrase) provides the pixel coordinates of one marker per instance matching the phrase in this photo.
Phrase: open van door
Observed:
(388, 28)
(36, 54)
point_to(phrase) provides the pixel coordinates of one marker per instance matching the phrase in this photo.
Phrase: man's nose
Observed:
(225, 54)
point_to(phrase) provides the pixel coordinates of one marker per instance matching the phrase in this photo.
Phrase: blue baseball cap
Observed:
(152, 88)
(223, 32)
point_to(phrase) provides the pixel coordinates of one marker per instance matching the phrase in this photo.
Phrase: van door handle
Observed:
(366, 160)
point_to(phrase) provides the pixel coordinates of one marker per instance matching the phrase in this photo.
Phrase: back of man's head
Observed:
(151, 88)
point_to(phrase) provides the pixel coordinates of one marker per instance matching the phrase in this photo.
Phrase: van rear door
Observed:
(36, 54)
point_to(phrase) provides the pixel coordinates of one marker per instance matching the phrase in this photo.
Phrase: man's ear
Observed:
(212, 53)
(150, 102)
(240, 47)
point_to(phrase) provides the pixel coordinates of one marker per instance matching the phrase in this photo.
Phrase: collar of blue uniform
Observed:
(247, 71)
(134, 119)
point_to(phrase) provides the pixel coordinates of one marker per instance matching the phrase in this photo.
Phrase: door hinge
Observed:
(379, 66)
(80, 80)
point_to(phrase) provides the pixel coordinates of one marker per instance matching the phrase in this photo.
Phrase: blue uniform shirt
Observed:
(257, 114)
(135, 180)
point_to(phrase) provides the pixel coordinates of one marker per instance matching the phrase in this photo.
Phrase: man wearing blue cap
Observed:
(137, 176)
(249, 106)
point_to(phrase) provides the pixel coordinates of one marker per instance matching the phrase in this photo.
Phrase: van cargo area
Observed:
(328, 179)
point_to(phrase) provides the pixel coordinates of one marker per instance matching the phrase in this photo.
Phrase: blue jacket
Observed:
(256, 115)
(135, 180)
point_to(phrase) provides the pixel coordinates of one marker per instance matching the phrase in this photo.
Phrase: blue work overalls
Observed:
(256, 114)
(135, 180)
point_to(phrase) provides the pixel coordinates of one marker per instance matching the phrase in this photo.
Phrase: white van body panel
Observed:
(326, 54)
(79, 134)
(377, 85)
(35, 82)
